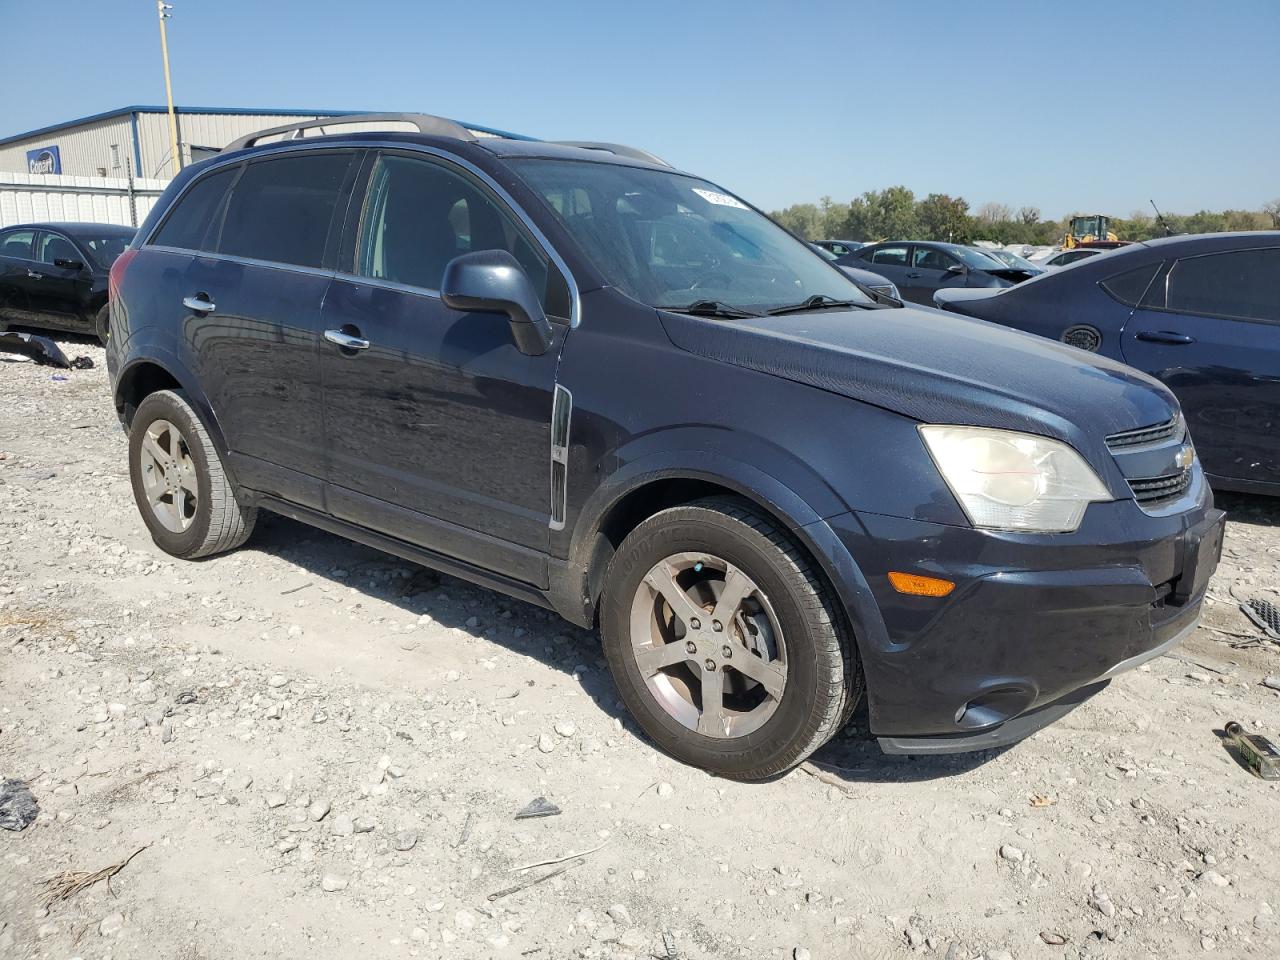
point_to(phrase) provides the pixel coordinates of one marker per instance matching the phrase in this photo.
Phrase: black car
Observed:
(840, 248)
(1201, 313)
(918, 268)
(872, 281)
(577, 375)
(54, 275)
(1070, 256)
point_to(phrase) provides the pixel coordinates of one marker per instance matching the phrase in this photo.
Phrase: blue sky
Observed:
(1073, 105)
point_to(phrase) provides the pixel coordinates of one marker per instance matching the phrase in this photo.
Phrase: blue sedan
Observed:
(1201, 313)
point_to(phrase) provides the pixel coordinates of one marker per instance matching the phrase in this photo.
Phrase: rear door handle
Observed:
(346, 340)
(1164, 336)
(33, 275)
(200, 303)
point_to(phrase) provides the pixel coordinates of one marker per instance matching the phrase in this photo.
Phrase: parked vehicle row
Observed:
(1199, 313)
(580, 376)
(54, 275)
(919, 268)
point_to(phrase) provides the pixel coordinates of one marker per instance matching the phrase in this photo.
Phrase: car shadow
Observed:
(853, 755)
(1249, 507)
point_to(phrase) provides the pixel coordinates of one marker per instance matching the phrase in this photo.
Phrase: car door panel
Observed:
(57, 291)
(1224, 370)
(16, 253)
(439, 431)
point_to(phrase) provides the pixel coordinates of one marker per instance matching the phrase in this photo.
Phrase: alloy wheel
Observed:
(168, 476)
(708, 644)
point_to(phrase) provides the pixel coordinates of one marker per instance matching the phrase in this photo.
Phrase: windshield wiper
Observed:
(819, 301)
(713, 308)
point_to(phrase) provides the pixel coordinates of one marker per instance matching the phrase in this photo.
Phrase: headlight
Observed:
(1014, 481)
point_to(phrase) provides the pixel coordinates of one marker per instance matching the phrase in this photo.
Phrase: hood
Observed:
(941, 368)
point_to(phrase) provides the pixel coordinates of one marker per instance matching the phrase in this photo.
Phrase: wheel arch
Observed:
(145, 375)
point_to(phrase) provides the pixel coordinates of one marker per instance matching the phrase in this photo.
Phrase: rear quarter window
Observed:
(192, 224)
(1128, 287)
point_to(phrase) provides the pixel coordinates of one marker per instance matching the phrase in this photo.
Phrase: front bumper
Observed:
(1036, 624)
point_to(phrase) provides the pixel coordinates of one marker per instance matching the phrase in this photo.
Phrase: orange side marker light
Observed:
(919, 586)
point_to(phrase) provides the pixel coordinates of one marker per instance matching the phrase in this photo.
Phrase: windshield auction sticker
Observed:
(720, 199)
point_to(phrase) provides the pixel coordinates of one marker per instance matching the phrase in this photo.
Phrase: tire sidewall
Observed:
(167, 405)
(102, 324)
(796, 719)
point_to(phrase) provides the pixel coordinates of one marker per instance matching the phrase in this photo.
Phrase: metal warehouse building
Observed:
(135, 140)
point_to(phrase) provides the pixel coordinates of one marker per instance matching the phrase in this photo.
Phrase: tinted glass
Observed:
(192, 223)
(670, 240)
(929, 259)
(419, 215)
(280, 209)
(17, 244)
(1128, 287)
(52, 247)
(104, 249)
(893, 256)
(1238, 284)
(976, 259)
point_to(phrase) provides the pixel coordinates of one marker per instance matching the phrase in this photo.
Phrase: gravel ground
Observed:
(320, 751)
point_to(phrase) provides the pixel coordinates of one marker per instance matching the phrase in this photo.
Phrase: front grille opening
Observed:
(1154, 491)
(1144, 435)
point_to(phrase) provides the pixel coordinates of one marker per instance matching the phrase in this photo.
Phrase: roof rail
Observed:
(621, 150)
(427, 124)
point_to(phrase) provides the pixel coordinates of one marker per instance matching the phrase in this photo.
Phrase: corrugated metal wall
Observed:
(25, 198)
(195, 129)
(83, 149)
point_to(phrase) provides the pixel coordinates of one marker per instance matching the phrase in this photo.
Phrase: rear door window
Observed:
(890, 256)
(193, 222)
(1241, 284)
(281, 208)
(54, 247)
(420, 214)
(17, 244)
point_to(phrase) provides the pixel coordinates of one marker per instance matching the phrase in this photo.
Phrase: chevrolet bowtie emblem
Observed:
(1186, 457)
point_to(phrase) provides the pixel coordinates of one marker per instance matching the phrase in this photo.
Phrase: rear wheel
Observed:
(102, 324)
(181, 489)
(724, 640)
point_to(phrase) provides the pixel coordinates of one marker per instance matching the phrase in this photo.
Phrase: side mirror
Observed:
(68, 264)
(957, 268)
(492, 281)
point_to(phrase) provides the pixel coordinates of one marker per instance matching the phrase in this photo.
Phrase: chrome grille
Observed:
(1152, 491)
(1144, 435)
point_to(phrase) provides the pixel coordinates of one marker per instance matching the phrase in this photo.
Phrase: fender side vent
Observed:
(561, 414)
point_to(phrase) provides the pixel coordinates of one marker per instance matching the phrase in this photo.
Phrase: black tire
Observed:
(824, 678)
(102, 324)
(220, 522)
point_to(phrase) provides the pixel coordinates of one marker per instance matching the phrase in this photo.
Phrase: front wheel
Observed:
(725, 642)
(182, 491)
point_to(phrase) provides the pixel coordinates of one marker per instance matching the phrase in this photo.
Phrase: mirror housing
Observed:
(957, 268)
(492, 281)
(68, 264)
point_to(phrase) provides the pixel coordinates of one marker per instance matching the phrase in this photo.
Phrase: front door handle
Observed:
(346, 340)
(1164, 336)
(200, 303)
(33, 275)
(913, 276)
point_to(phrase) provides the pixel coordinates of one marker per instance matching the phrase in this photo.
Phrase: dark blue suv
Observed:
(586, 379)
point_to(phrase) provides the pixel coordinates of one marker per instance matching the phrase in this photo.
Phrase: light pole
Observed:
(163, 9)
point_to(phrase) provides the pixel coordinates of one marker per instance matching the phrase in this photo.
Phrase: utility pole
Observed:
(163, 9)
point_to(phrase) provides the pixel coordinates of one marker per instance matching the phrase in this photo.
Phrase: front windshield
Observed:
(673, 241)
(975, 259)
(104, 248)
(1012, 259)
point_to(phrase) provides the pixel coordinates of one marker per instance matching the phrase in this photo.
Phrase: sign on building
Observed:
(44, 160)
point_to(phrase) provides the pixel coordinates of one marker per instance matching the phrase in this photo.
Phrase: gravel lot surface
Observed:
(320, 751)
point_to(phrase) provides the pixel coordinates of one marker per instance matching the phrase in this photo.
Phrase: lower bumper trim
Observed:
(1009, 732)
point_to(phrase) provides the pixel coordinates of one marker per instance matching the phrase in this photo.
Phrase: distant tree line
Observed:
(896, 214)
